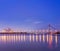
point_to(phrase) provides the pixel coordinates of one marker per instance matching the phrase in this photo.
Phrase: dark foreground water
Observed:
(29, 42)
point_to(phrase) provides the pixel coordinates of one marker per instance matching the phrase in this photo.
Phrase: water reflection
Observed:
(30, 38)
(50, 41)
(43, 38)
(47, 38)
(37, 38)
(40, 38)
(56, 39)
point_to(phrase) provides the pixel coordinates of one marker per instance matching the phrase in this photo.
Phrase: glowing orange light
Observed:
(36, 38)
(43, 38)
(50, 40)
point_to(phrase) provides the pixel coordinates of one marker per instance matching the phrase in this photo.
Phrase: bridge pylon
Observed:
(50, 27)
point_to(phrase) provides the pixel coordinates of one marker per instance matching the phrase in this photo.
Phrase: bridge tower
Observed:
(50, 27)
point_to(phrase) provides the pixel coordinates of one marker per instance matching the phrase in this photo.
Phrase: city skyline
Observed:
(32, 14)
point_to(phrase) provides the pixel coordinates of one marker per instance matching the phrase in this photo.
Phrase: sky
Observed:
(29, 14)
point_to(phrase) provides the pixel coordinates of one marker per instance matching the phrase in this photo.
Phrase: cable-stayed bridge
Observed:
(50, 30)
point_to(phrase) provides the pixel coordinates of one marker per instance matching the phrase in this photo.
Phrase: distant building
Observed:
(7, 30)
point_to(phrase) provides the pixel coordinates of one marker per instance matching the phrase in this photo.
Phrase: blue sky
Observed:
(29, 14)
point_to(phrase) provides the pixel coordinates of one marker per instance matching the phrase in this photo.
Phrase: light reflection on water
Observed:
(31, 38)
(50, 41)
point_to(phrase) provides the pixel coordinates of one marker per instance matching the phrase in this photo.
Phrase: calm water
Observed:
(29, 42)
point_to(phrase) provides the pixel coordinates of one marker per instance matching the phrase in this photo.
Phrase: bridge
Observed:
(55, 31)
(50, 30)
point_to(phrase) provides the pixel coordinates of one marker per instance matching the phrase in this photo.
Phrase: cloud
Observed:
(33, 22)
(37, 22)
